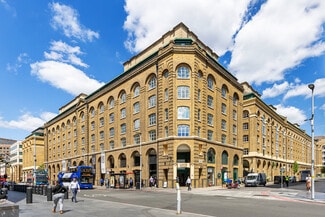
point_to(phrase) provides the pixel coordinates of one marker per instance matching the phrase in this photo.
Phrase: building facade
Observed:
(173, 112)
(271, 143)
(16, 162)
(33, 154)
(5, 155)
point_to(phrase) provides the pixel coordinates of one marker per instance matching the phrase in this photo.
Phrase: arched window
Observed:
(92, 112)
(152, 82)
(111, 102)
(136, 91)
(122, 160)
(123, 97)
(245, 114)
(210, 83)
(183, 72)
(224, 91)
(235, 99)
(136, 158)
(101, 108)
(224, 158)
(211, 155)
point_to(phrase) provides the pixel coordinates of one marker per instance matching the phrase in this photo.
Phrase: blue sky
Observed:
(53, 50)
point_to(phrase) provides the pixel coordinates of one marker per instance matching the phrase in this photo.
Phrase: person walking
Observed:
(58, 196)
(287, 181)
(131, 182)
(308, 183)
(74, 188)
(188, 183)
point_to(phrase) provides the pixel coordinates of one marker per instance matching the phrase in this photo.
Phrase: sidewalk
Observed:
(87, 207)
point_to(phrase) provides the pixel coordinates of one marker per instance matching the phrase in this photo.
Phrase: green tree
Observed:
(295, 167)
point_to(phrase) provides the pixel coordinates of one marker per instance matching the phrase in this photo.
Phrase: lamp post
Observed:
(312, 86)
(34, 172)
(140, 161)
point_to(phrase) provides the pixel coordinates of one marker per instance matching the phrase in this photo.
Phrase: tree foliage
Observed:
(295, 167)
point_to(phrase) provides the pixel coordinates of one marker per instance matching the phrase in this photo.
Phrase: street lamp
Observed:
(312, 86)
(140, 161)
(34, 174)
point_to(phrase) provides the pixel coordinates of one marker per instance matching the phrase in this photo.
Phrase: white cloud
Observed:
(294, 115)
(23, 58)
(278, 39)
(215, 21)
(66, 18)
(27, 121)
(60, 51)
(263, 46)
(65, 77)
(276, 90)
(303, 90)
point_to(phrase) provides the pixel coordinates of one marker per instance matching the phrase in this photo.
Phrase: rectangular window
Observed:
(136, 139)
(210, 101)
(152, 101)
(245, 138)
(152, 135)
(152, 119)
(101, 135)
(223, 108)
(111, 145)
(210, 119)
(136, 124)
(123, 128)
(111, 118)
(210, 135)
(136, 107)
(101, 122)
(245, 126)
(111, 132)
(223, 125)
(183, 92)
(123, 113)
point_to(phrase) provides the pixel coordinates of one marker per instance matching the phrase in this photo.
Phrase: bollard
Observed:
(66, 193)
(29, 195)
(49, 193)
(44, 190)
(40, 190)
(179, 200)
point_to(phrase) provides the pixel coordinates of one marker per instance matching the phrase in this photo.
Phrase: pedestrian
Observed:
(308, 183)
(287, 181)
(74, 188)
(188, 183)
(58, 196)
(151, 181)
(131, 182)
(101, 182)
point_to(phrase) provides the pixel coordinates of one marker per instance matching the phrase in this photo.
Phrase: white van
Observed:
(255, 179)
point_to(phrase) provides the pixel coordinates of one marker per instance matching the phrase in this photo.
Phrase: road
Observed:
(257, 203)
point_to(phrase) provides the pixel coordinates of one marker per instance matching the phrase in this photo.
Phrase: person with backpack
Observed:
(58, 196)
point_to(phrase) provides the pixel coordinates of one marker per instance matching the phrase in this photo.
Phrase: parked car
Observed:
(292, 179)
(255, 179)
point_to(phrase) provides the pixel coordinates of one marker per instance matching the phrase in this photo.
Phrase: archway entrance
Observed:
(183, 163)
